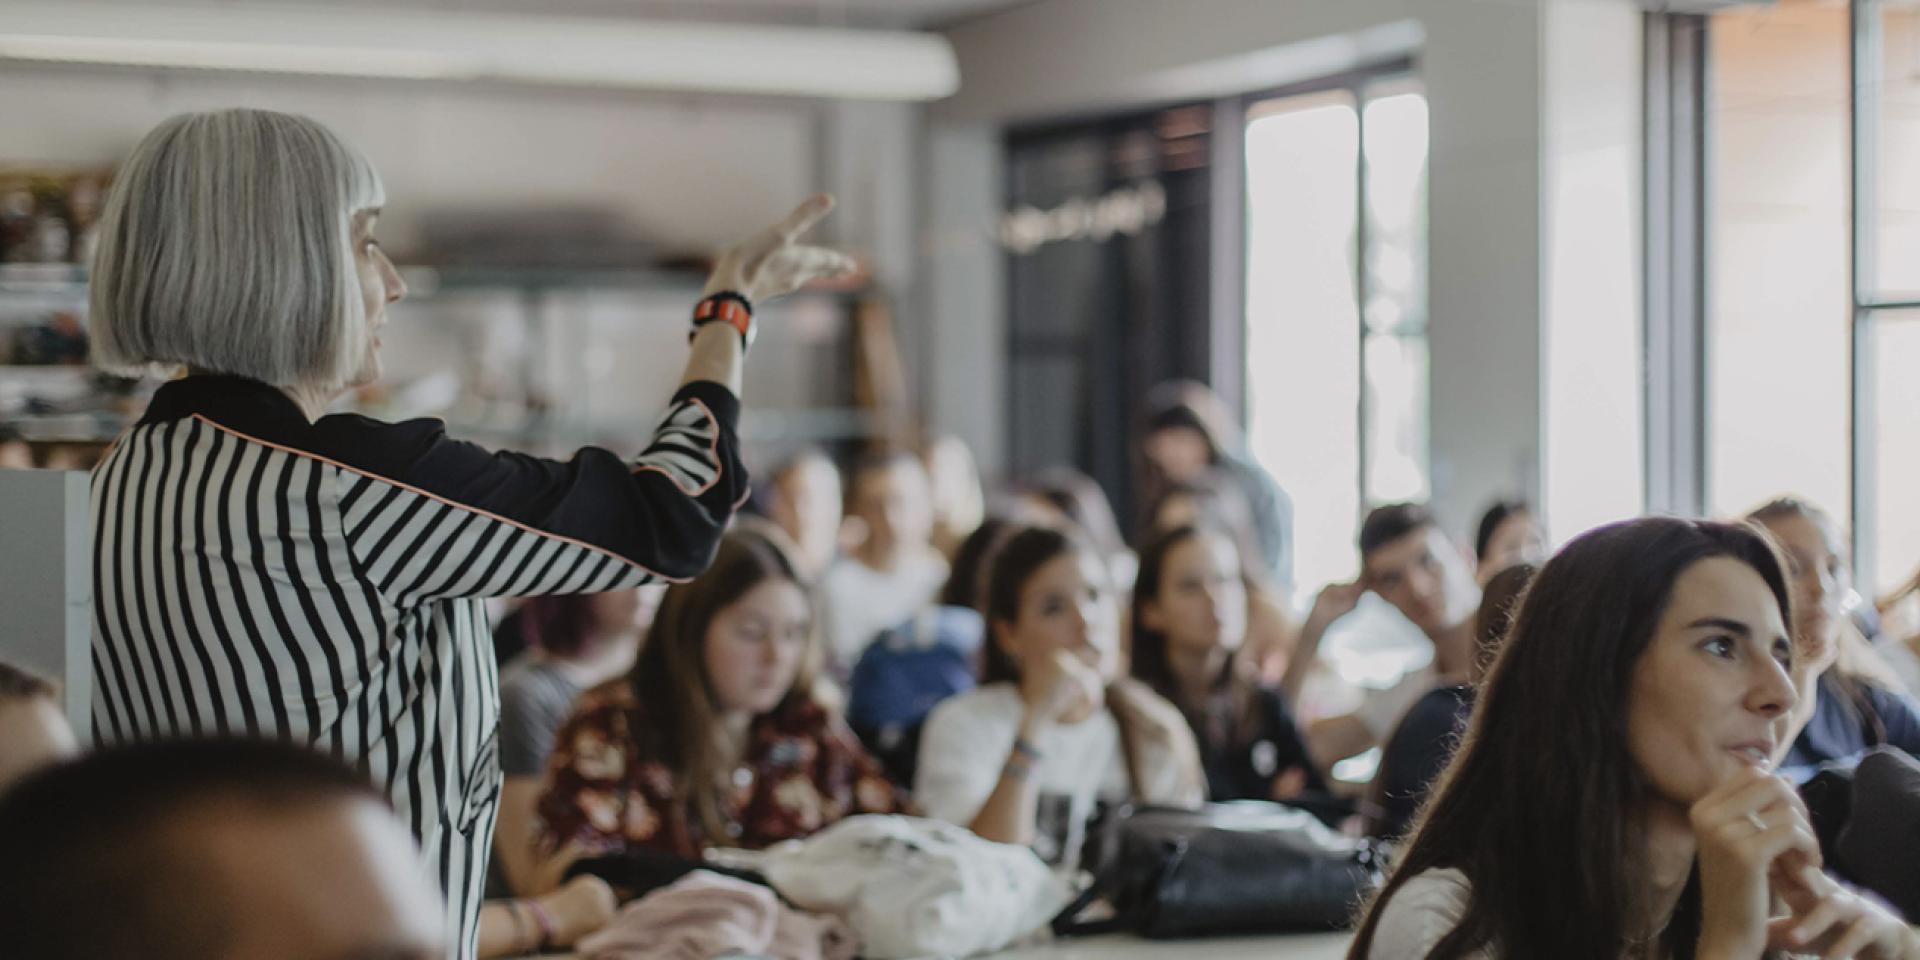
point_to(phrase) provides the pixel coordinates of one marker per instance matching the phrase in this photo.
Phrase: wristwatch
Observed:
(729, 308)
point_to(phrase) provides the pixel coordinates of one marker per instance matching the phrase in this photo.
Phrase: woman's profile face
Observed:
(1820, 580)
(1067, 606)
(755, 645)
(1703, 698)
(1201, 603)
(1181, 453)
(1517, 539)
(380, 284)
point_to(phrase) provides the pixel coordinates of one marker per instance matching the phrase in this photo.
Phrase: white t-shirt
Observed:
(964, 749)
(857, 602)
(1425, 909)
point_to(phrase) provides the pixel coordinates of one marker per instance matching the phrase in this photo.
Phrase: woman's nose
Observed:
(1773, 693)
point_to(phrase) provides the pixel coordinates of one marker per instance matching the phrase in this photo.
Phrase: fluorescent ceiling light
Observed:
(650, 55)
(200, 55)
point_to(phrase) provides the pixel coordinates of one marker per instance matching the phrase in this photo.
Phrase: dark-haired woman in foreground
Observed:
(1613, 795)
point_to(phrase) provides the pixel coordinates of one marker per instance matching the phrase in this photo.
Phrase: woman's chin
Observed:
(1818, 643)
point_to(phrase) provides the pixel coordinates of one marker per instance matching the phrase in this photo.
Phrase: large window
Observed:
(1812, 233)
(1777, 317)
(1336, 320)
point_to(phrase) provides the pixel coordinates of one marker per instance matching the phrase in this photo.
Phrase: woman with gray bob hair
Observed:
(265, 568)
(245, 266)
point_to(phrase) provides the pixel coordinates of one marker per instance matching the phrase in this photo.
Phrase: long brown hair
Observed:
(1230, 705)
(670, 676)
(1539, 806)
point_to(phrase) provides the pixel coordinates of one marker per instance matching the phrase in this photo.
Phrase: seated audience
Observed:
(717, 738)
(1410, 563)
(1054, 730)
(1188, 433)
(894, 571)
(1189, 631)
(1613, 795)
(803, 498)
(959, 503)
(210, 849)
(917, 664)
(1427, 736)
(1849, 704)
(33, 731)
(579, 642)
(1508, 535)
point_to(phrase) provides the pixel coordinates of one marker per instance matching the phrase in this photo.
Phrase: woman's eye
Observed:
(1719, 647)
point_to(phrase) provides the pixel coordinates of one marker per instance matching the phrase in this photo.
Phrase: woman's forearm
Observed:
(1009, 812)
(717, 357)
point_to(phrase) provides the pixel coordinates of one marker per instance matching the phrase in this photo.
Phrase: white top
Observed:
(965, 745)
(1425, 908)
(857, 602)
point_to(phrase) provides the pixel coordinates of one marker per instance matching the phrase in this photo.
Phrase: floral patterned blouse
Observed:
(803, 770)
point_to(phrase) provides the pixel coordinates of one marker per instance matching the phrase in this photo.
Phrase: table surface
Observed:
(1322, 946)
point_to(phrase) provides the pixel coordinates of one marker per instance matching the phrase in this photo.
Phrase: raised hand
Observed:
(1334, 601)
(1750, 829)
(1059, 688)
(1833, 921)
(772, 262)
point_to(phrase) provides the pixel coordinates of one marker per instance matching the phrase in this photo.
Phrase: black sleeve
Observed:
(440, 517)
(1416, 753)
(1286, 738)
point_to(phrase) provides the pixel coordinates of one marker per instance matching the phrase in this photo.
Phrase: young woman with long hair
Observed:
(1613, 794)
(717, 738)
(1055, 729)
(1190, 626)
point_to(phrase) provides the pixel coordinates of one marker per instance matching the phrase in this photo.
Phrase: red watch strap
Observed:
(723, 309)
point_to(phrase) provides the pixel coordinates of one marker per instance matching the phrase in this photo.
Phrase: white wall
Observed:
(1481, 62)
(692, 173)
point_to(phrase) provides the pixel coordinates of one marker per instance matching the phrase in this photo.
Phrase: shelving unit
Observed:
(807, 340)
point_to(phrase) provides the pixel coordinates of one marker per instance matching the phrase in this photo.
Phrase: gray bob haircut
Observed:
(226, 244)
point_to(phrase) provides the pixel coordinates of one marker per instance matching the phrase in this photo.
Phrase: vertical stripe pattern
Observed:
(243, 586)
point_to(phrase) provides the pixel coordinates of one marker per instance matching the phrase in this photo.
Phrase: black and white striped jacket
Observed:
(322, 582)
